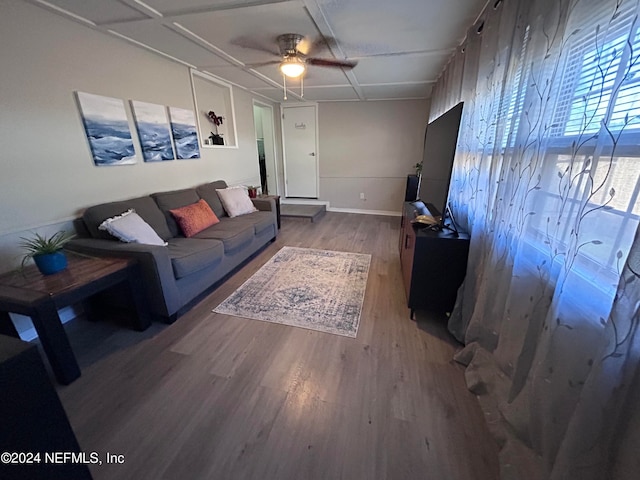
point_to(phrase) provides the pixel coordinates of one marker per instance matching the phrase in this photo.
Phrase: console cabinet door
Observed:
(406, 258)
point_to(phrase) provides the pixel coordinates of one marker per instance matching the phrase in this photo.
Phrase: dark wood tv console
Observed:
(433, 264)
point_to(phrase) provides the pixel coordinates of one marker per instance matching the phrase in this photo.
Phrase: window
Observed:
(592, 158)
(515, 100)
(601, 81)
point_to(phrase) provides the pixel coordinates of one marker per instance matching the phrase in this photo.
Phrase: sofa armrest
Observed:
(267, 205)
(155, 264)
(264, 204)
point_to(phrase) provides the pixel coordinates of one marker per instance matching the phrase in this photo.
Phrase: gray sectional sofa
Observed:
(176, 274)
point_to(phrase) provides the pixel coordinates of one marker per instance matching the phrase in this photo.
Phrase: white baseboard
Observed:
(303, 201)
(385, 213)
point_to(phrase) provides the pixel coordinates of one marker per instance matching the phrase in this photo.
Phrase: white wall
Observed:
(47, 172)
(369, 147)
(47, 175)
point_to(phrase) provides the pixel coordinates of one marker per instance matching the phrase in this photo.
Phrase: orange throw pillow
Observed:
(194, 218)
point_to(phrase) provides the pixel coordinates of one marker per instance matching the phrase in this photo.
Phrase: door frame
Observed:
(273, 139)
(284, 147)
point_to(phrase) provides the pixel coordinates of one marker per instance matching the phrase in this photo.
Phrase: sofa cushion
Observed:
(189, 255)
(236, 201)
(232, 234)
(259, 221)
(194, 218)
(145, 206)
(209, 194)
(175, 199)
(131, 228)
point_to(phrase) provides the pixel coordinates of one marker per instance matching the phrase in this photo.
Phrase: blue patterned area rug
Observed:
(315, 289)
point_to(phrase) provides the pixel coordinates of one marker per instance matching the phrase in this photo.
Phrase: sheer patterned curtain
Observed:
(546, 180)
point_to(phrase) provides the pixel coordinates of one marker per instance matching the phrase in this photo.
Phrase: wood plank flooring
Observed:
(221, 397)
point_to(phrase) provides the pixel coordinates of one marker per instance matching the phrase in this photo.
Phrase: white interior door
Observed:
(300, 151)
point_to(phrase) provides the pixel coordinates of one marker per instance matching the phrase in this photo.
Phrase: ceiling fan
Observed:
(294, 50)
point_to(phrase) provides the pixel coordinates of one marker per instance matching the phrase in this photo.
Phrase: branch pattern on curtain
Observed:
(546, 180)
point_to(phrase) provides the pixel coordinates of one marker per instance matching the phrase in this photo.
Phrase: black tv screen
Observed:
(440, 142)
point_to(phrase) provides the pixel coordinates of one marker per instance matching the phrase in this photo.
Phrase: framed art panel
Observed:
(185, 132)
(107, 129)
(153, 131)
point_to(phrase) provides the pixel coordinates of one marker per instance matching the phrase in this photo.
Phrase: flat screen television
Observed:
(440, 140)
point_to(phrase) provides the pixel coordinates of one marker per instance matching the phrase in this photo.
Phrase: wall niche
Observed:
(213, 96)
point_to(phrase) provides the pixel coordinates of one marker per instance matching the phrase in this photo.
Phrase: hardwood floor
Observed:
(221, 397)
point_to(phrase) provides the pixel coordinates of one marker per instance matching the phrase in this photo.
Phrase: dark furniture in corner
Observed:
(412, 188)
(433, 264)
(33, 419)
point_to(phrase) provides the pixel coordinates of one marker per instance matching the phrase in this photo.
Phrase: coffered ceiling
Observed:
(400, 45)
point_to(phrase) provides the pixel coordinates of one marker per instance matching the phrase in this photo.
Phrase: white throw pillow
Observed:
(131, 228)
(236, 201)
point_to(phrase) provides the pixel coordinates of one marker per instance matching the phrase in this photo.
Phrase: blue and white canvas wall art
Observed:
(185, 136)
(153, 131)
(107, 129)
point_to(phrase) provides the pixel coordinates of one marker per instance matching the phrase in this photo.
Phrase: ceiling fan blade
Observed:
(304, 46)
(253, 44)
(323, 43)
(262, 64)
(325, 62)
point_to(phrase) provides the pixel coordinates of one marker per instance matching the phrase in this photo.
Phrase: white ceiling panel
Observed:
(328, 94)
(401, 46)
(401, 68)
(162, 38)
(237, 76)
(100, 11)
(252, 26)
(172, 7)
(382, 92)
(365, 27)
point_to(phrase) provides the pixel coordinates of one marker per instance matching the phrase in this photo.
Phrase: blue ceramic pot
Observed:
(51, 262)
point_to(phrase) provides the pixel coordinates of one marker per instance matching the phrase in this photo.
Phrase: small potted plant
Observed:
(217, 120)
(46, 251)
(253, 191)
(216, 139)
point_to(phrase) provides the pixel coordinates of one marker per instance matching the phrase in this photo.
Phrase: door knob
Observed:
(313, 154)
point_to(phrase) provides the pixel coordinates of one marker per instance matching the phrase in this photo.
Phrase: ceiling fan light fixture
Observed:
(292, 66)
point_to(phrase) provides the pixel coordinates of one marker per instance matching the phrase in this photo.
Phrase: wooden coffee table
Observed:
(38, 296)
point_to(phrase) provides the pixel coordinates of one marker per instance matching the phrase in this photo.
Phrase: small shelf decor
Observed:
(216, 120)
(252, 191)
(216, 138)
